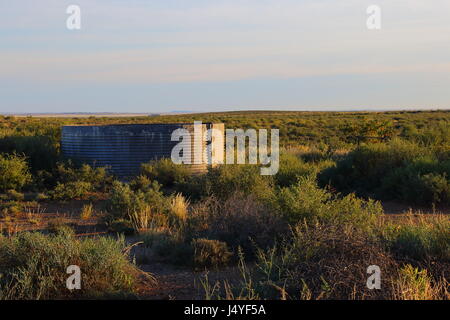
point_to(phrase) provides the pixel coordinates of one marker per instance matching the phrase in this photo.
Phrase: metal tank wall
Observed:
(124, 148)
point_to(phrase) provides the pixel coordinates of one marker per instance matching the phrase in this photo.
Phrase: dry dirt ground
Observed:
(176, 283)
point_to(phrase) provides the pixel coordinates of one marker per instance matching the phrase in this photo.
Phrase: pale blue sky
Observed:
(211, 55)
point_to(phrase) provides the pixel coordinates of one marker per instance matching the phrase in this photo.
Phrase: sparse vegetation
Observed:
(14, 172)
(210, 253)
(33, 266)
(309, 232)
(87, 211)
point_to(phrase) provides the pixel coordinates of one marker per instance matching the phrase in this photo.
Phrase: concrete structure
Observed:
(124, 148)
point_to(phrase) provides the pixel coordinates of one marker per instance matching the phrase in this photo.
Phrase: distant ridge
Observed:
(180, 112)
(91, 114)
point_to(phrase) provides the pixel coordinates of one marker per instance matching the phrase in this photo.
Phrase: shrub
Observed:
(153, 237)
(399, 169)
(331, 259)
(165, 172)
(239, 221)
(60, 226)
(413, 284)
(420, 240)
(71, 190)
(436, 188)
(424, 181)
(316, 262)
(140, 182)
(14, 173)
(194, 187)
(41, 197)
(364, 168)
(306, 201)
(34, 266)
(123, 201)
(11, 207)
(210, 253)
(15, 196)
(225, 180)
(169, 246)
(40, 151)
(98, 178)
(155, 198)
(292, 168)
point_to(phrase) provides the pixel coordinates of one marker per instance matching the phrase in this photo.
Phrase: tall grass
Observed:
(179, 207)
(141, 218)
(419, 238)
(415, 284)
(33, 266)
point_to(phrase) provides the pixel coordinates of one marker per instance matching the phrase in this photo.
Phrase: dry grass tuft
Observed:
(179, 207)
(415, 284)
(141, 219)
(87, 211)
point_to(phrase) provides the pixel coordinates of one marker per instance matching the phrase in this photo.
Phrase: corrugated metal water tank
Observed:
(124, 148)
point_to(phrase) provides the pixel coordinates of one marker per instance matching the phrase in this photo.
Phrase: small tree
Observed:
(368, 130)
(14, 173)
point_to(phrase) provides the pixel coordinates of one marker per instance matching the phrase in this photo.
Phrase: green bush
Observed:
(14, 173)
(41, 197)
(123, 200)
(210, 253)
(140, 182)
(415, 284)
(59, 226)
(40, 151)
(97, 177)
(71, 190)
(224, 180)
(69, 182)
(15, 196)
(33, 266)
(420, 240)
(436, 188)
(292, 168)
(165, 172)
(11, 207)
(170, 247)
(436, 136)
(306, 201)
(194, 187)
(399, 169)
(424, 181)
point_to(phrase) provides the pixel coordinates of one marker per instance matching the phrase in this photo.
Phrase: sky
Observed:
(155, 56)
